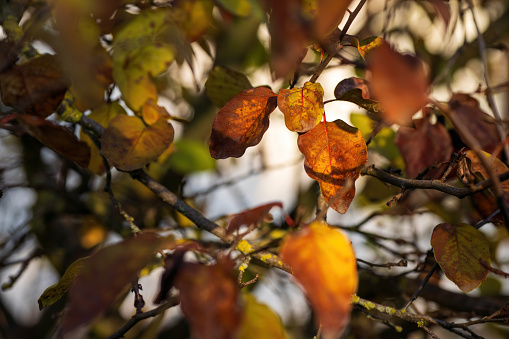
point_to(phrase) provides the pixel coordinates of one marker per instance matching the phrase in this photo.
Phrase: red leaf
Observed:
(241, 123)
(251, 216)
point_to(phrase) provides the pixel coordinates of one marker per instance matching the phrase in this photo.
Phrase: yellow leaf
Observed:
(459, 250)
(129, 144)
(259, 321)
(302, 107)
(366, 45)
(323, 262)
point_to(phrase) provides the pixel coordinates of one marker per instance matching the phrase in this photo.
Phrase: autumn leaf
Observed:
(424, 146)
(367, 45)
(475, 120)
(224, 83)
(334, 158)
(241, 123)
(329, 15)
(209, 298)
(129, 144)
(142, 50)
(302, 106)
(356, 91)
(56, 137)
(56, 291)
(259, 321)
(251, 216)
(398, 82)
(105, 274)
(459, 250)
(35, 87)
(323, 262)
(151, 112)
(194, 17)
(238, 7)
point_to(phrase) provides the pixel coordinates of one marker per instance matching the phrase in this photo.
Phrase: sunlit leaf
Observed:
(141, 50)
(424, 146)
(302, 106)
(105, 274)
(251, 216)
(209, 298)
(241, 123)
(334, 158)
(237, 7)
(224, 83)
(398, 82)
(56, 137)
(151, 112)
(323, 262)
(35, 87)
(367, 45)
(190, 156)
(194, 17)
(129, 144)
(459, 251)
(356, 90)
(259, 321)
(56, 291)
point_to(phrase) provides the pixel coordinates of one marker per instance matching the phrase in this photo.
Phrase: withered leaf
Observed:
(35, 87)
(356, 91)
(241, 123)
(302, 106)
(56, 137)
(251, 216)
(323, 262)
(334, 158)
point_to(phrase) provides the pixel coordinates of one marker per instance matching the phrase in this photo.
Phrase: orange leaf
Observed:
(241, 123)
(209, 297)
(335, 162)
(323, 262)
(330, 13)
(105, 274)
(459, 251)
(251, 216)
(56, 137)
(302, 106)
(36, 87)
(128, 144)
(398, 82)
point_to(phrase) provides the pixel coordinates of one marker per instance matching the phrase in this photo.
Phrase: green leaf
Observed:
(237, 7)
(459, 250)
(56, 291)
(224, 83)
(191, 156)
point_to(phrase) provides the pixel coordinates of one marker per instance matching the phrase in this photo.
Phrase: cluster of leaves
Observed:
(128, 45)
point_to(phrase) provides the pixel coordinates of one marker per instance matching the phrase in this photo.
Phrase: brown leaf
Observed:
(209, 297)
(398, 82)
(35, 87)
(241, 123)
(104, 276)
(423, 146)
(330, 13)
(459, 251)
(56, 137)
(476, 121)
(251, 216)
(323, 262)
(129, 144)
(302, 106)
(334, 158)
(356, 90)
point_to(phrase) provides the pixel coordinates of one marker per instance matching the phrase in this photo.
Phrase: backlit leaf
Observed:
(193, 17)
(141, 50)
(35, 87)
(151, 112)
(367, 45)
(398, 82)
(209, 298)
(356, 90)
(330, 13)
(251, 216)
(323, 262)
(224, 83)
(241, 123)
(334, 159)
(190, 156)
(302, 106)
(56, 137)
(459, 251)
(105, 274)
(56, 291)
(423, 146)
(259, 321)
(129, 144)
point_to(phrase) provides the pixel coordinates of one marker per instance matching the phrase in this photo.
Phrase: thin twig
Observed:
(401, 263)
(421, 286)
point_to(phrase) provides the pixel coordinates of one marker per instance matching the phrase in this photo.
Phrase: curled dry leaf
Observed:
(241, 123)
(302, 106)
(356, 91)
(334, 158)
(36, 87)
(105, 274)
(323, 262)
(424, 146)
(209, 297)
(459, 251)
(129, 144)
(399, 82)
